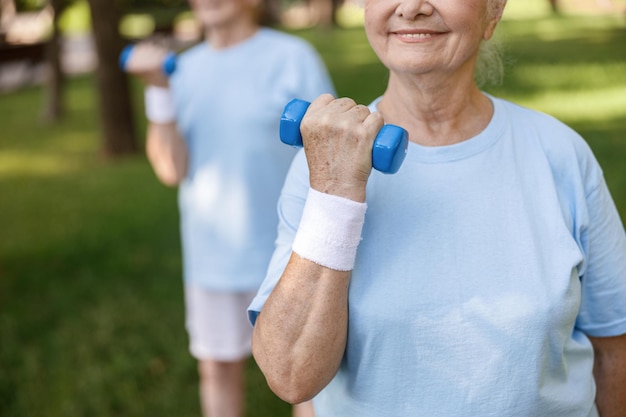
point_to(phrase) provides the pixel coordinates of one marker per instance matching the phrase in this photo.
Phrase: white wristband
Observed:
(159, 105)
(330, 230)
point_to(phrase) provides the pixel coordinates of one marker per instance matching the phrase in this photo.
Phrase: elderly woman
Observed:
(212, 132)
(490, 275)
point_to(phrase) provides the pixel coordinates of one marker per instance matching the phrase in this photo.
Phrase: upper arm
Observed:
(613, 347)
(609, 371)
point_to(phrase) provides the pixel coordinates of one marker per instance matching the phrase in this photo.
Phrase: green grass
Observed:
(91, 313)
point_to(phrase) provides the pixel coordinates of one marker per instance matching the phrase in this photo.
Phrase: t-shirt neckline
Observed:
(462, 150)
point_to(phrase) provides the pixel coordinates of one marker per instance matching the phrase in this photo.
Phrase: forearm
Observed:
(610, 374)
(167, 152)
(300, 336)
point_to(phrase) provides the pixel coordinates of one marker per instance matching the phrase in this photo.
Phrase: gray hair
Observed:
(495, 7)
(490, 64)
(489, 68)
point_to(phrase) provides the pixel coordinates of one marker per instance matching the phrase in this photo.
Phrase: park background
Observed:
(91, 303)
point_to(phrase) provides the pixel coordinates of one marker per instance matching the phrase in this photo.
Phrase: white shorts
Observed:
(217, 324)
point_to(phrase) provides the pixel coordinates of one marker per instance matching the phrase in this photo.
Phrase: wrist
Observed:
(354, 192)
(159, 104)
(330, 230)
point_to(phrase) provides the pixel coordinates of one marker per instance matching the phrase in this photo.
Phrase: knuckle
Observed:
(345, 102)
(362, 111)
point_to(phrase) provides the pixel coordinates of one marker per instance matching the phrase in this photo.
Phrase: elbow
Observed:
(290, 390)
(169, 174)
(288, 382)
(170, 180)
(293, 399)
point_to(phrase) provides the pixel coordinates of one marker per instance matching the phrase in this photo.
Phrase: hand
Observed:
(338, 136)
(146, 63)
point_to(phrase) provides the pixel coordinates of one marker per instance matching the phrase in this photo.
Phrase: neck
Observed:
(230, 34)
(436, 112)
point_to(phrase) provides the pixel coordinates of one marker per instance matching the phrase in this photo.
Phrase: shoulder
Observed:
(280, 37)
(188, 63)
(195, 52)
(567, 152)
(290, 65)
(553, 135)
(286, 44)
(189, 58)
(542, 123)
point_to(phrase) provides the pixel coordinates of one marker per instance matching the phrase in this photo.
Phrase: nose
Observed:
(411, 9)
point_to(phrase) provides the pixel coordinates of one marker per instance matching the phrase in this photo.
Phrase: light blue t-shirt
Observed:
(483, 267)
(228, 105)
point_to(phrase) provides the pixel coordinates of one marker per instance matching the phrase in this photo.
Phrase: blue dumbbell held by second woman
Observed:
(389, 148)
(168, 66)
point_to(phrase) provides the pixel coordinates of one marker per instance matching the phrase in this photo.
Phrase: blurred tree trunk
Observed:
(271, 12)
(324, 11)
(554, 4)
(53, 108)
(115, 101)
(336, 4)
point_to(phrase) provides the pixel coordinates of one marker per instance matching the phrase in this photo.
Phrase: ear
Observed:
(496, 14)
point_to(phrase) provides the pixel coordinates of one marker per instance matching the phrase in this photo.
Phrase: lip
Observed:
(416, 35)
(415, 30)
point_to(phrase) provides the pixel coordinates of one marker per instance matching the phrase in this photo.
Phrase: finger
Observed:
(359, 112)
(146, 57)
(147, 64)
(321, 101)
(341, 105)
(373, 123)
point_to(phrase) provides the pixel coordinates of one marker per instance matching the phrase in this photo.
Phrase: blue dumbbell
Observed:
(389, 148)
(169, 63)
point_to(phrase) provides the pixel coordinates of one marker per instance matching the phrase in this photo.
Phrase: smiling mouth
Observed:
(415, 35)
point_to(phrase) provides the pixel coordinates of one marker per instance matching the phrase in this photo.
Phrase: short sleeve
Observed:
(303, 73)
(316, 78)
(603, 308)
(290, 206)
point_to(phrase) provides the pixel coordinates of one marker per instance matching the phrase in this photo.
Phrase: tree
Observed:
(323, 12)
(54, 108)
(554, 4)
(271, 12)
(115, 103)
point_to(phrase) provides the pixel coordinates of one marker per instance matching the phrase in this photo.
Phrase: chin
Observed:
(211, 19)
